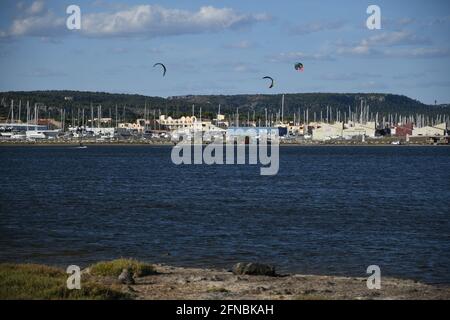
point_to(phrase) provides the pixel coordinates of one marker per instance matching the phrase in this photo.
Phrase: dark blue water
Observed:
(330, 210)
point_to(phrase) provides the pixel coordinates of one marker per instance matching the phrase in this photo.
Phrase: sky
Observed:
(226, 47)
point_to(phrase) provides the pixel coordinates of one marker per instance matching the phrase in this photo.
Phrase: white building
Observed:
(430, 131)
(323, 131)
(173, 124)
(367, 129)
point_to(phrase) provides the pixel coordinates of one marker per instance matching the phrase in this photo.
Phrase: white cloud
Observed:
(139, 20)
(244, 44)
(154, 21)
(410, 53)
(317, 26)
(34, 20)
(299, 55)
(388, 44)
(440, 21)
(420, 53)
(36, 7)
(396, 38)
(37, 25)
(397, 23)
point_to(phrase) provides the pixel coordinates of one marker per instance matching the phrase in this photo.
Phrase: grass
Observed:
(37, 282)
(114, 268)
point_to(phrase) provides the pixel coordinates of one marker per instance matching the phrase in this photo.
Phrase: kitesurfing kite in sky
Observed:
(271, 79)
(299, 67)
(163, 66)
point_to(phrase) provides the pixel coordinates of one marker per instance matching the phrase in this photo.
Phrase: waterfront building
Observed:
(173, 124)
(139, 126)
(430, 131)
(402, 130)
(357, 129)
(323, 131)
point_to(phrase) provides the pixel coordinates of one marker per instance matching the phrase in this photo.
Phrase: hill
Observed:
(131, 106)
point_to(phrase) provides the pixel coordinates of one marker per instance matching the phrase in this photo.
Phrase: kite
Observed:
(271, 79)
(299, 67)
(163, 66)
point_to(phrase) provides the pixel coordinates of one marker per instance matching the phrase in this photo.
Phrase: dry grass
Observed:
(37, 282)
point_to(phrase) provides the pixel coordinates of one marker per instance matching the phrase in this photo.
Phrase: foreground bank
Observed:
(161, 282)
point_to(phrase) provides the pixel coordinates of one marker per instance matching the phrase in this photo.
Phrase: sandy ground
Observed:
(203, 284)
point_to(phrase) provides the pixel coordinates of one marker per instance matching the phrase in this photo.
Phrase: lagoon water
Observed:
(330, 210)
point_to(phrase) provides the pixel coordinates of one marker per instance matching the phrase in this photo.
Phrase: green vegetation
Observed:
(37, 282)
(130, 107)
(114, 268)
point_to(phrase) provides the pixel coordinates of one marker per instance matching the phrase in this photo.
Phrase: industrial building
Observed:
(430, 131)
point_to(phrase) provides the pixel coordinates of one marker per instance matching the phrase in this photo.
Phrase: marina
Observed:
(357, 126)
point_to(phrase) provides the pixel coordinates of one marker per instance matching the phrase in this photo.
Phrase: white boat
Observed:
(19, 136)
(35, 135)
(6, 134)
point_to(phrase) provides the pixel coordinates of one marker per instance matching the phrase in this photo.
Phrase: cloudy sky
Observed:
(227, 46)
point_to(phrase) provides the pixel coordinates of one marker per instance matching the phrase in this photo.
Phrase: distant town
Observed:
(25, 123)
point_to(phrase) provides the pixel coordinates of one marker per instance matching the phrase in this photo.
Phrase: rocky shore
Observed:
(130, 279)
(191, 283)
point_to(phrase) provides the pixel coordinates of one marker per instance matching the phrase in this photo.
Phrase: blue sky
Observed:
(226, 47)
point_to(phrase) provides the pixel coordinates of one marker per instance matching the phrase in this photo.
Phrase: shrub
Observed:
(114, 268)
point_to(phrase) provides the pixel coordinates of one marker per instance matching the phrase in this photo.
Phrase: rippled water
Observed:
(330, 210)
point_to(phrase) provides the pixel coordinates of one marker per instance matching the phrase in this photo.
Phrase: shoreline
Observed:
(166, 282)
(170, 144)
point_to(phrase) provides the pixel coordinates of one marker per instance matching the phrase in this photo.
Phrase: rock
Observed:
(254, 269)
(131, 289)
(197, 279)
(310, 291)
(261, 289)
(126, 277)
(216, 278)
(375, 294)
(182, 281)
